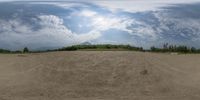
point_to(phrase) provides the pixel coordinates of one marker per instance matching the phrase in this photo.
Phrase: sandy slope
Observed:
(99, 75)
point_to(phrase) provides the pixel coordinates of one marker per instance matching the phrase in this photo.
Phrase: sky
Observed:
(41, 25)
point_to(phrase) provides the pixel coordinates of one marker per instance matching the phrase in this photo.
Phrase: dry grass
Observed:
(99, 75)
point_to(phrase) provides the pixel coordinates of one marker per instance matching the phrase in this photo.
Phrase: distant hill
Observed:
(86, 43)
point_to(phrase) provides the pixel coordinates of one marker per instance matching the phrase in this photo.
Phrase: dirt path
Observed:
(99, 75)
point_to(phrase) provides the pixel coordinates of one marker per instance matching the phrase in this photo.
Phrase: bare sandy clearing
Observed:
(99, 75)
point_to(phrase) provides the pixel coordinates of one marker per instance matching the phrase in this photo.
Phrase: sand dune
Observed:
(99, 75)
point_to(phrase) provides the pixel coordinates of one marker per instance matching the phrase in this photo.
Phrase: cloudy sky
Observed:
(43, 24)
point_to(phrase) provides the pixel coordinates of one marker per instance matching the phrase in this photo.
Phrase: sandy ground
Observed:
(99, 75)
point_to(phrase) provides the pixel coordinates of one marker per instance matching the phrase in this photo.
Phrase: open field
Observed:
(99, 75)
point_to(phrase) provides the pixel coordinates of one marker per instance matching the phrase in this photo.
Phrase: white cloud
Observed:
(15, 35)
(102, 23)
(92, 35)
(185, 27)
(53, 32)
(116, 5)
(65, 5)
(13, 26)
(50, 20)
(139, 5)
(88, 13)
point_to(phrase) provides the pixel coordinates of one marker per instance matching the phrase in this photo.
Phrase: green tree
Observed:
(25, 50)
(153, 48)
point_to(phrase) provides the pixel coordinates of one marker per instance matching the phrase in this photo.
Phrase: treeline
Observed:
(166, 48)
(100, 47)
(25, 50)
(4, 51)
(81, 47)
(174, 48)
